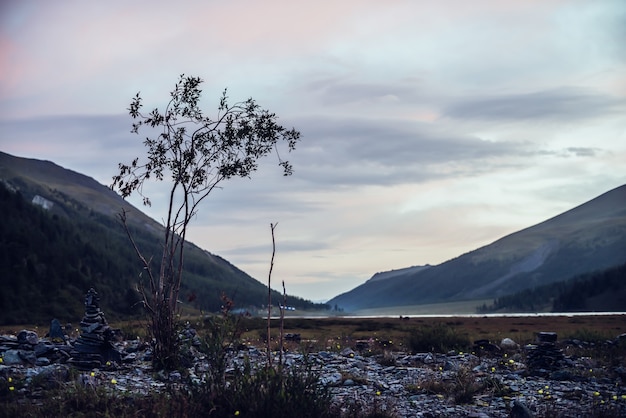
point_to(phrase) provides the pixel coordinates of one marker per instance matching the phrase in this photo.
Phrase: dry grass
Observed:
(393, 333)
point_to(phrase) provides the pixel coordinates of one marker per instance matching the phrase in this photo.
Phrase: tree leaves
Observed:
(198, 152)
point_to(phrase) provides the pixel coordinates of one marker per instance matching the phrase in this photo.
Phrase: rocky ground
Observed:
(494, 380)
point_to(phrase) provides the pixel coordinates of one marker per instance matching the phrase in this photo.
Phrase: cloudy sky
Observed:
(429, 128)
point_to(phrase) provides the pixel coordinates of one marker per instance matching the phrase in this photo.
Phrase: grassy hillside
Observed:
(49, 258)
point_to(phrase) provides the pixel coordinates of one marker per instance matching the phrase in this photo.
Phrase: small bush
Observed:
(461, 387)
(589, 336)
(438, 338)
(387, 359)
(362, 408)
(266, 392)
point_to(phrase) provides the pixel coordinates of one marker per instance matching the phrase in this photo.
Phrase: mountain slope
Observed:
(53, 250)
(603, 290)
(53, 182)
(590, 237)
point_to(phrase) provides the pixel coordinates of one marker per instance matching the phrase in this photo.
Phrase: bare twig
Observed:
(269, 298)
(282, 323)
(146, 264)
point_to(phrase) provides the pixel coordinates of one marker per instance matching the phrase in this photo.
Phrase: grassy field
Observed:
(332, 332)
(399, 330)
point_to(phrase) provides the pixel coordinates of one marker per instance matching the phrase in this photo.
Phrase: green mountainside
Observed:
(59, 236)
(586, 239)
(593, 292)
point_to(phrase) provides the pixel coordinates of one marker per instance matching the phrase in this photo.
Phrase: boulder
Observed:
(507, 344)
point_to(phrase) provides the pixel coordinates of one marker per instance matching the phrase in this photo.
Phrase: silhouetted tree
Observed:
(194, 154)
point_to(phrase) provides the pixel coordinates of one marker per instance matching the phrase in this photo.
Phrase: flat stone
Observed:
(43, 348)
(42, 361)
(27, 356)
(546, 337)
(11, 358)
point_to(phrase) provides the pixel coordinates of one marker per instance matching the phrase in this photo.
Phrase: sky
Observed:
(429, 129)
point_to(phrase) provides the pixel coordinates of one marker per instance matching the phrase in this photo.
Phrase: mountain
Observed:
(59, 236)
(588, 238)
(599, 291)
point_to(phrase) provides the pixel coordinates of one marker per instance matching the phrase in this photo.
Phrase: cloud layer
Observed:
(428, 128)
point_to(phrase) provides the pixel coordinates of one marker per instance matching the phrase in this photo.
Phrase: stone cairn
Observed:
(545, 357)
(94, 347)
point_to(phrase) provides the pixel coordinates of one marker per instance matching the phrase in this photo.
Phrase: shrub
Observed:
(265, 392)
(460, 387)
(438, 338)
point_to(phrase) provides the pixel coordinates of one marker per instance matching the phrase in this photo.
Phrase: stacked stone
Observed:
(544, 357)
(28, 349)
(94, 346)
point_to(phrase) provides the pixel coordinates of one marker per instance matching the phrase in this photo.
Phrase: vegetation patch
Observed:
(438, 338)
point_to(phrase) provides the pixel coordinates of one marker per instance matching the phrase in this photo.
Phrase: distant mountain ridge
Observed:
(395, 273)
(585, 239)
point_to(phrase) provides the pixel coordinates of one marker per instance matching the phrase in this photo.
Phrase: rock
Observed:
(27, 337)
(87, 380)
(28, 356)
(293, 337)
(507, 344)
(561, 375)
(520, 410)
(42, 361)
(450, 365)
(11, 358)
(43, 348)
(332, 379)
(6, 343)
(56, 333)
(621, 372)
(546, 337)
(348, 352)
(485, 346)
